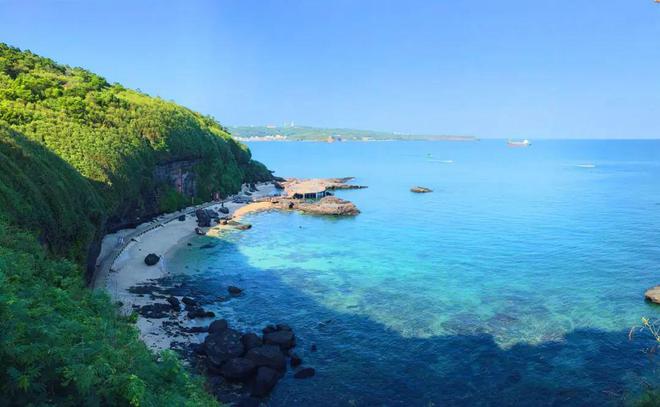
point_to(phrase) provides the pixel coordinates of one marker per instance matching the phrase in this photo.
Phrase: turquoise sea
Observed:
(515, 282)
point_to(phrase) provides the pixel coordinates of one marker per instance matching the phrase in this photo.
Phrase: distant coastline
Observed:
(329, 135)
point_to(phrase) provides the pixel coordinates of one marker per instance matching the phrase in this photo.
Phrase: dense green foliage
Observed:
(61, 344)
(75, 153)
(306, 133)
(113, 136)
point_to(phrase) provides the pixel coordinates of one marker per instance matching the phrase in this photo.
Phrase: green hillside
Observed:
(78, 157)
(307, 133)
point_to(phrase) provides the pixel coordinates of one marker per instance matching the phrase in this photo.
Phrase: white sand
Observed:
(129, 268)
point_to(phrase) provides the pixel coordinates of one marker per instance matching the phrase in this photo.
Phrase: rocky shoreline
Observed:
(171, 313)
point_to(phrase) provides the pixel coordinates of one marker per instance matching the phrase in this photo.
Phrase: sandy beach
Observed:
(163, 235)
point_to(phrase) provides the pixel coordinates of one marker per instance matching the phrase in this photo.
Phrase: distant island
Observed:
(307, 133)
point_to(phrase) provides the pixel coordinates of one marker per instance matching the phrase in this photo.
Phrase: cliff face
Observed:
(178, 174)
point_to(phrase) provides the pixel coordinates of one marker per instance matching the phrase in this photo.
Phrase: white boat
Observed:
(518, 143)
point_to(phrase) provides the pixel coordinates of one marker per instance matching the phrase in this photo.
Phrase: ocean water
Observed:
(515, 282)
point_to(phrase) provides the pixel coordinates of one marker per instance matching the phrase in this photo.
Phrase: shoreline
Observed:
(121, 267)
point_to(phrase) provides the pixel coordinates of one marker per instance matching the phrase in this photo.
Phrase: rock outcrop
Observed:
(653, 294)
(248, 360)
(151, 259)
(420, 190)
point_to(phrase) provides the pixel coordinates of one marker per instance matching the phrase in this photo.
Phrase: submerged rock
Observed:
(305, 373)
(420, 190)
(653, 294)
(233, 290)
(151, 259)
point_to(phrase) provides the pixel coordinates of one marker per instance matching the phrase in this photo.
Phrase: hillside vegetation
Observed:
(77, 157)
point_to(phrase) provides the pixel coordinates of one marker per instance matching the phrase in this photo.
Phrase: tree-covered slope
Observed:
(79, 156)
(116, 137)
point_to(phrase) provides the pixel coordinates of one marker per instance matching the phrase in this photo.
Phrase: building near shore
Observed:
(307, 189)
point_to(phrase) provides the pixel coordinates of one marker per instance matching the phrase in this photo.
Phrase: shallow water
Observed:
(514, 283)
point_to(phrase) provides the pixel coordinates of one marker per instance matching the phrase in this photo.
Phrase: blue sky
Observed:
(536, 69)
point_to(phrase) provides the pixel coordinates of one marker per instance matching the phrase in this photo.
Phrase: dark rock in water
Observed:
(189, 244)
(266, 379)
(295, 360)
(237, 368)
(199, 313)
(233, 290)
(305, 373)
(267, 355)
(155, 311)
(283, 327)
(244, 226)
(248, 402)
(251, 341)
(208, 246)
(223, 210)
(314, 348)
(174, 302)
(420, 190)
(284, 339)
(223, 346)
(182, 218)
(151, 259)
(269, 329)
(218, 326)
(189, 302)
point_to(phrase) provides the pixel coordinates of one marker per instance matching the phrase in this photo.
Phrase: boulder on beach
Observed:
(174, 302)
(420, 190)
(653, 294)
(203, 218)
(182, 218)
(224, 210)
(266, 379)
(305, 373)
(151, 259)
(155, 311)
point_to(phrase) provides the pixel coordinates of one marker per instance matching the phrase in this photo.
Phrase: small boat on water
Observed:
(518, 143)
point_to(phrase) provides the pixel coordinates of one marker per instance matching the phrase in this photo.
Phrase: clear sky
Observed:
(519, 68)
